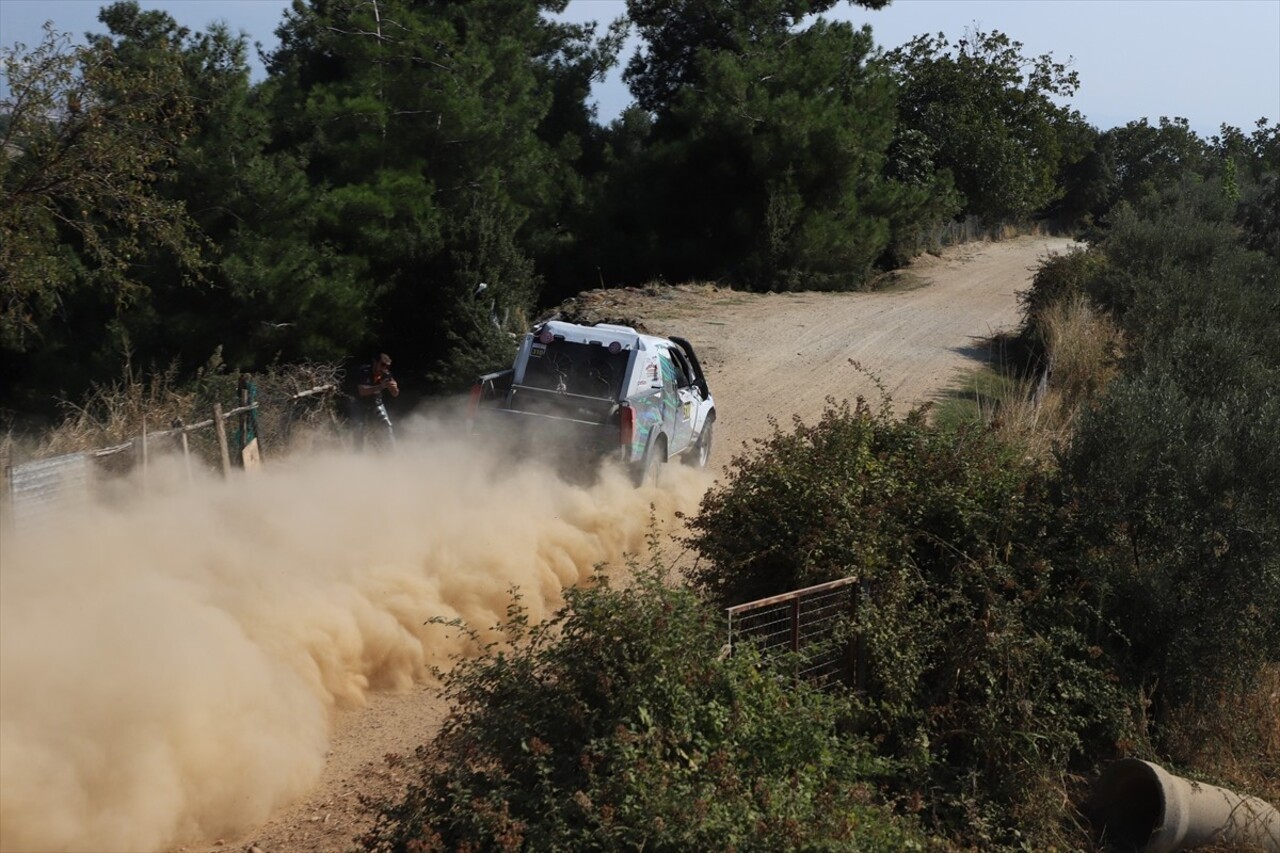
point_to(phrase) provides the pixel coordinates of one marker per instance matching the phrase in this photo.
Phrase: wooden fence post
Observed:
(186, 448)
(250, 458)
(146, 456)
(221, 429)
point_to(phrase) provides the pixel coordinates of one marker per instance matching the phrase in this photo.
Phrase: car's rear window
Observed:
(586, 369)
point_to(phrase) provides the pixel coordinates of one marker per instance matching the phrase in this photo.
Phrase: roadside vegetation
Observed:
(159, 207)
(1036, 607)
(619, 724)
(1083, 564)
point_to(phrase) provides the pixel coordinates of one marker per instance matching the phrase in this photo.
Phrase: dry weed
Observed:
(1236, 738)
(1024, 416)
(1083, 345)
(121, 412)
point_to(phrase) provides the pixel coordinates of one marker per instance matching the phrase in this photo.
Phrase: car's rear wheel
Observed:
(700, 455)
(650, 473)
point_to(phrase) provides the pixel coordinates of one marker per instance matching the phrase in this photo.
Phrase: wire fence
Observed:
(37, 491)
(811, 628)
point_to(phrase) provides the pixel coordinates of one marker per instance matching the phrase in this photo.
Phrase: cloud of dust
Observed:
(168, 665)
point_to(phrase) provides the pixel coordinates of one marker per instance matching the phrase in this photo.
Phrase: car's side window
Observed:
(668, 367)
(682, 368)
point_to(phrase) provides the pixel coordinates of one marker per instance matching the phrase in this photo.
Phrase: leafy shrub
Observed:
(1175, 474)
(619, 724)
(863, 491)
(983, 687)
(1172, 479)
(1177, 481)
(1259, 215)
(1149, 244)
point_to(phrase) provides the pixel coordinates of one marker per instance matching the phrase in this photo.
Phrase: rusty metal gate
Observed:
(805, 622)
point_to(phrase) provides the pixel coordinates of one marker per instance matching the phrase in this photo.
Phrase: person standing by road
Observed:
(370, 408)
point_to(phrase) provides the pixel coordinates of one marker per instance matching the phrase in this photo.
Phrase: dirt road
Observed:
(765, 355)
(783, 354)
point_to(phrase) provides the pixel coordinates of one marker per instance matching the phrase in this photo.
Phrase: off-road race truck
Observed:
(578, 394)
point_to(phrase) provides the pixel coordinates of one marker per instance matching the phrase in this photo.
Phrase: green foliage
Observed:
(1176, 485)
(619, 724)
(1170, 482)
(863, 485)
(1188, 250)
(269, 292)
(765, 161)
(1150, 159)
(1167, 163)
(429, 136)
(988, 116)
(264, 292)
(1086, 177)
(1256, 159)
(982, 686)
(1058, 280)
(675, 33)
(90, 137)
(1176, 472)
(1259, 214)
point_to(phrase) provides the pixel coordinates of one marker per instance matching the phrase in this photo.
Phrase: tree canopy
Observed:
(399, 154)
(90, 134)
(988, 116)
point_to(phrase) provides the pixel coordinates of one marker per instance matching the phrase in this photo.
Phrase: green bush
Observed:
(1176, 492)
(1171, 482)
(982, 686)
(619, 724)
(1165, 261)
(1259, 215)
(1175, 474)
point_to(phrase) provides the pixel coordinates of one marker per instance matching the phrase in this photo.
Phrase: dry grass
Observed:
(1033, 418)
(1083, 348)
(115, 413)
(1236, 739)
(119, 413)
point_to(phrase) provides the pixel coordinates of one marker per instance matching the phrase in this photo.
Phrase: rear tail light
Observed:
(628, 424)
(473, 403)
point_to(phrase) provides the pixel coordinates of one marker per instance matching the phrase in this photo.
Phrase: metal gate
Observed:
(804, 622)
(39, 490)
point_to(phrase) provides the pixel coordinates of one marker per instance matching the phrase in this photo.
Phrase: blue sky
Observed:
(1210, 61)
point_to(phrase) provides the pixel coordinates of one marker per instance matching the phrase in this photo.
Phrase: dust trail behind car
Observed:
(168, 667)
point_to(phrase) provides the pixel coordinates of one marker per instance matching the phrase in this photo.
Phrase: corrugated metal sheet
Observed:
(39, 490)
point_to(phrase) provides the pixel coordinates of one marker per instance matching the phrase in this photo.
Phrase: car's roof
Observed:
(601, 333)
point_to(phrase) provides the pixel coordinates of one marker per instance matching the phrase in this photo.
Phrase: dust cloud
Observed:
(169, 665)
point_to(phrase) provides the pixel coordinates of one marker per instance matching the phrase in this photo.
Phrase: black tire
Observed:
(650, 473)
(700, 454)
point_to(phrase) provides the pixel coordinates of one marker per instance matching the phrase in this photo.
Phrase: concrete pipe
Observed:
(1137, 805)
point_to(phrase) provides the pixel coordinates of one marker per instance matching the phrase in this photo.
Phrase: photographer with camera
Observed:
(368, 405)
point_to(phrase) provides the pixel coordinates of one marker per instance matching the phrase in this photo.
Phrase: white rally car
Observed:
(579, 393)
